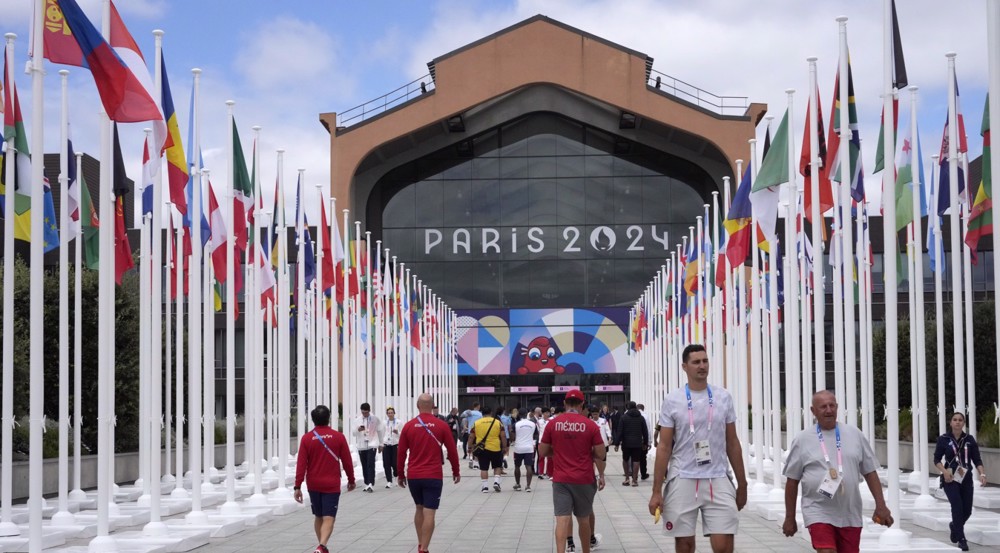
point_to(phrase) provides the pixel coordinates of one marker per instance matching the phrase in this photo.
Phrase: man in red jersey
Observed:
(319, 464)
(574, 442)
(422, 437)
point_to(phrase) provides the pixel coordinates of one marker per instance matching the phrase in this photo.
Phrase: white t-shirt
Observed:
(605, 427)
(541, 425)
(807, 464)
(674, 414)
(524, 436)
(392, 430)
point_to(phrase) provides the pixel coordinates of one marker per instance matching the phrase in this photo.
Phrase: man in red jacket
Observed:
(319, 463)
(422, 437)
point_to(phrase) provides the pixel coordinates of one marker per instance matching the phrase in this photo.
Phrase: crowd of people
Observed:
(698, 467)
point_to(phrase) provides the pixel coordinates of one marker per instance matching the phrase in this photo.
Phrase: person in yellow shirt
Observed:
(487, 433)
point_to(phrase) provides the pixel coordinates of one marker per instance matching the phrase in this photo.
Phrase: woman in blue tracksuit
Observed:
(955, 456)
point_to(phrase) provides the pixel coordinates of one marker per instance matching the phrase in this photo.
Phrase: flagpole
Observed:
(283, 359)
(77, 494)
(254, 322)
(956, 266)
(63, 516)
(335, 350)
(230, 507)
(819, 294)
(756, 377)
(993, 42)
(847, 240)
(938, 292)
(300, 316)
(208, 362)
(168, 345)
(145, 299)
(920, 434)
(195, 314)
(892, 536)
(967, 290)
(179, 491)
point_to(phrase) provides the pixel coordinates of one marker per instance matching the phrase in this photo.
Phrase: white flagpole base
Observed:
(257, 500)
(281, 493)
(925, 501)
(113, 509)
(77, 495)
(63, 518)
(196, 518)
(103, 544)
(144, 501)
(914, 479)
(167, 479)
(230, 509)
(180, 493)
(8, 529)
(155, 530)
(776, 494)
(894, 538)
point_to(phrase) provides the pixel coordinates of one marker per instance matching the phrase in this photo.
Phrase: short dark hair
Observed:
(321, 415)
(560, 409)
(475, 404)
(630, 405)
(641, 407)
(366, 407)
(486, 410)
(691, 348)
(952, 415)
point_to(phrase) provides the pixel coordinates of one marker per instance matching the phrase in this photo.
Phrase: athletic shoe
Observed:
(645, 477)
(595, 541)
(570, 546)
(527, 490)
(486, 489)
(369, 488)
(496, 487)
(963, 545)
(517, 487)
(635, 483)
(321, 549)
(388, 485)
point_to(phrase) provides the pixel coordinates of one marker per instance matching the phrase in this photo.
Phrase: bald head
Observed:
(425, 403)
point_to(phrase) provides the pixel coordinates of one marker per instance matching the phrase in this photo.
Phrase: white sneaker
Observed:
(388, 485)
(486, 489)
(595, 541)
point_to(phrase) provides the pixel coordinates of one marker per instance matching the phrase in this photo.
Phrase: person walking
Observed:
(368, 435)
(507, 421)
(390, 445)
(698, 444)
(455, 424)
(544, 469)
(604, 426)
(488, 439)
(643, 461)
(525, 438)
(956, 453)
(633, 437)
(471, 417)
(831, 502)
(575, 445)
(318, 465)
(421, 441)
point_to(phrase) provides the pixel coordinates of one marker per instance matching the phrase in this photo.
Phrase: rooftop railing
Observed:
(723, 105)
(385, 102)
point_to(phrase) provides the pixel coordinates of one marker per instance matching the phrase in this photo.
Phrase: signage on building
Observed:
(564, 388)
(480, 389)
(609, 388)
(523, 389)
(482, 241)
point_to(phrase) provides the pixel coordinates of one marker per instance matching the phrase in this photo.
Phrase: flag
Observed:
(904, 186)
(773, 172)
(274, 235)
(91, 229)
(72, 190)
(899, 82)
(805, 166)
(265, 278)
(933, 247)
(981, 216)
(177, 170)
(206, 228)
(217, 244)
(119, 182)
(833, 161)
(310, 257)
(242, 193)
(944, 181)
(123, 84)
(333, 248)
(691, 270)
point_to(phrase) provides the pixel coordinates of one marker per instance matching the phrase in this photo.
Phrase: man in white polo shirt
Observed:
(525, 433)
(698, 443)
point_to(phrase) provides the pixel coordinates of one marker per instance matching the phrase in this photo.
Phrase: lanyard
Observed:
(421, 423)
(326, 447)
(711, 407)
(822, 445)
(965, 448)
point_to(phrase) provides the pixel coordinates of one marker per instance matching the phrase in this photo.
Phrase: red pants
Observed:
(545, 466)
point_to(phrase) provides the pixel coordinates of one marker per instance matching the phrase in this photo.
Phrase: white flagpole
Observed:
(255, 415)
(77, 494)
(819, 294)
(938, 292)
(195, 313)
(367, 267)
(179, 491)
(918, 278)
(230, 507)
(145, 299)
(283, 360)
(892, 535)
(300, 314)
(775, 418)
(956, 264)
(756, 376)
(335, 350)
(792, 311)
(208, 363)
(63, 516)
(7, 525)
(169, 361)
(846, 238)
(967, 290)
(993, 41)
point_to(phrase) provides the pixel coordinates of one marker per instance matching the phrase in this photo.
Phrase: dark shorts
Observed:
(489, 459)
(324, 504)
(573, 499)
(827, 536)
(633, 454)
(528, 459)
(426, 492)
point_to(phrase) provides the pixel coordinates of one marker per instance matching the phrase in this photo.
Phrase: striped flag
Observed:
(981, 216)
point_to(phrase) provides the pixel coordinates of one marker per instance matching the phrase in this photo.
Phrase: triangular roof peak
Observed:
(534, 19)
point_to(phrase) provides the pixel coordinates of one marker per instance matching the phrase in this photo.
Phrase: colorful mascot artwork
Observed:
(540, 357)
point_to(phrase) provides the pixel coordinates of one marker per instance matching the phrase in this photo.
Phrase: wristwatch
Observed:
(297, 488)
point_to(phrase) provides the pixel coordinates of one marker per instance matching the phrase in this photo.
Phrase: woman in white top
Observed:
(390, 445)
(603, 425)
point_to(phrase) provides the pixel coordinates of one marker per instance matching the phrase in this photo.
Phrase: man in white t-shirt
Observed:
(698, 444)
(830, 461)
(603, 425)
(525, 435)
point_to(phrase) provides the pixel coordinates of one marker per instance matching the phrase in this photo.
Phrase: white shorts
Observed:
(685, 497)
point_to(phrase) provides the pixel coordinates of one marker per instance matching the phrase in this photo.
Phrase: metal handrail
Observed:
(724, 105)
(385, 102)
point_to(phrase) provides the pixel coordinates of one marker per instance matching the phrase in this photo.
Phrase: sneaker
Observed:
(645, 477)
(595, 541)
(370, 488)
(321, 549)
(527, 490)
(486, 489)
(517, 487)
(388, 485)
(963, 545)
(570, 546)
(496, 487)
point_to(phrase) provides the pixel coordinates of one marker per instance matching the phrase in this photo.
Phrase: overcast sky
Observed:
(286, 62)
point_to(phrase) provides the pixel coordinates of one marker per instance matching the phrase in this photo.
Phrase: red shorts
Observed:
(841, 540)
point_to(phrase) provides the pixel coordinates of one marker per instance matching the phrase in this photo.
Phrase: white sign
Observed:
(569, 239)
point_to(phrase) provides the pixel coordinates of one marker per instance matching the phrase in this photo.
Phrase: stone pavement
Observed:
(470, 521)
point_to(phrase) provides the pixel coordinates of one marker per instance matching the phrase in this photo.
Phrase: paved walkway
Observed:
(470, 521)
